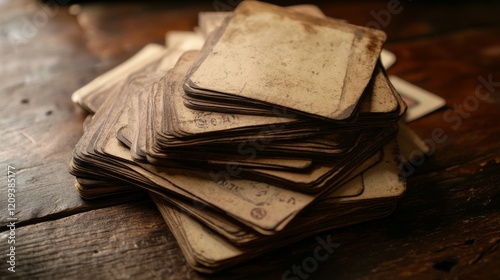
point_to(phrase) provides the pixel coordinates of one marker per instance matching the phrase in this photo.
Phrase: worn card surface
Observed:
(260, 70)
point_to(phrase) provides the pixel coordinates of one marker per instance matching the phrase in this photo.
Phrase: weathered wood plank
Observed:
(452, 68)
(127, 241)
(39, 124)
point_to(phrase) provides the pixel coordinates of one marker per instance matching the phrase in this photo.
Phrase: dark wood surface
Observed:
(447, 225)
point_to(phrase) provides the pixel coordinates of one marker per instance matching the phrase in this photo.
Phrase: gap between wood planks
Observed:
(143, 199)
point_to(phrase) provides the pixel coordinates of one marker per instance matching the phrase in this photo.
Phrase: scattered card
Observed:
(420, 102)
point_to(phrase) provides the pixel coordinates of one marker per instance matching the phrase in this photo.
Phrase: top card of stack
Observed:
(267, 57)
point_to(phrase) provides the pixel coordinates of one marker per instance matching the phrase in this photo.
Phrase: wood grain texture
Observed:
(453, 69)
(447, 225)
(127, 241)
(38, 122)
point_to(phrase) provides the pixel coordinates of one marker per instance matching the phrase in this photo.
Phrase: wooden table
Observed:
(446, 226)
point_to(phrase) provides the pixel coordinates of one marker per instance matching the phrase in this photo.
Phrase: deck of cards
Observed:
(263, 127)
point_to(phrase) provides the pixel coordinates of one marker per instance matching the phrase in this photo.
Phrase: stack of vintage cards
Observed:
(279, 125)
